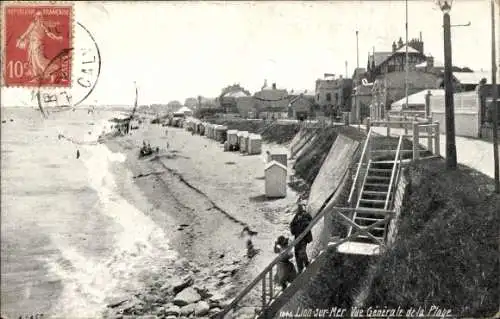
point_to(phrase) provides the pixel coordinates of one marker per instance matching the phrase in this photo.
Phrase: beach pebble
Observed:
(180, 284)
(226, 302)
(172, 310)
(201, 308)
(116, 301)
(217, 297)
(232, 269)
(187, 296)
(187, 310)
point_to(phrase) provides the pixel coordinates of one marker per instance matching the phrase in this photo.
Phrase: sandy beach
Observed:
(203, 197)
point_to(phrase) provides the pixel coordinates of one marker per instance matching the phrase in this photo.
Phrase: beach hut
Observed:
(275, 180)
(280, 157)
(241, 136)
(232, 139)
(221, 133)
(254, 144)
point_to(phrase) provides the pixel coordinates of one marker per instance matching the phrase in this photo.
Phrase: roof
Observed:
(379, 57)
(416, 99)
(302, 91)
(271, 95)
(472, 77)
(274, 163)
(437, 64)
(410, 50)
(184, 109)
(236, 94)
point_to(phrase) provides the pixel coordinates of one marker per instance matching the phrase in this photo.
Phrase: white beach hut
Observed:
(254, 144)
(275, 176)
(280, 157)
(221, 133)
(241, 140)
(232, 138)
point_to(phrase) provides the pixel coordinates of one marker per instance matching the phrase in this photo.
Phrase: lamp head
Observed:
(445, 5)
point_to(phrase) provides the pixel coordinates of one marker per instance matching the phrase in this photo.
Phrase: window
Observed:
(328, 97)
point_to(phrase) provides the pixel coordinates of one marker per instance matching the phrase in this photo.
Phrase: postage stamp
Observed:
(37, 44)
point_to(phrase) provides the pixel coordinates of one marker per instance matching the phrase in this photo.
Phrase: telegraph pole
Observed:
(451, 149)
(357, 50)
(494, 98)
(406, 56)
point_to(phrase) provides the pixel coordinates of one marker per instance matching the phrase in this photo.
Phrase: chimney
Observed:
(394, 48)
(430, 62)
(400, 42)
(274, 86)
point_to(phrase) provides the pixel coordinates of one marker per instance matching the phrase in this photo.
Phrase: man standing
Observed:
(299, 223)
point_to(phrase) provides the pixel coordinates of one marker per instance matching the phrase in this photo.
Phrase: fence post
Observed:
(405, 125)
(271, 292)
(264, 295)
(436, 141)
(368, 124)
(388, 124)
(415, 141)
(429, 130)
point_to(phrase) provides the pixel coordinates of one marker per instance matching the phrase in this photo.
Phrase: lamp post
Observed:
(451, 150)
(495, 97)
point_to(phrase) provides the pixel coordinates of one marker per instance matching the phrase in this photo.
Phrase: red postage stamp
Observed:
(37, 44)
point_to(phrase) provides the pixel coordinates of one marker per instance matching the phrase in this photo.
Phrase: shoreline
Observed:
(197, 206)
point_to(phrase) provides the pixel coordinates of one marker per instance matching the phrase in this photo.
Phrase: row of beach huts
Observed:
(244, 142)
(233, 140)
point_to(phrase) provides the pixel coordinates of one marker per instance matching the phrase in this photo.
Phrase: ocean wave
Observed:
(139, 246)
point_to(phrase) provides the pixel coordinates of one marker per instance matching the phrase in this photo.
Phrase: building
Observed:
(271, 102)
(301, 105)
(333, 96)
(387, 72)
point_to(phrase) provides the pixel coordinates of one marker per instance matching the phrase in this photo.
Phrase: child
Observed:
(286, 272)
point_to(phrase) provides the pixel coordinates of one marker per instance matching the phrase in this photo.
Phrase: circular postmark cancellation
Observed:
(53, 60)
(86, 70)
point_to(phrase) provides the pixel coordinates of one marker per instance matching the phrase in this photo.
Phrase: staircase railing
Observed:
(267, 273)
(395, 169)
(363, 162)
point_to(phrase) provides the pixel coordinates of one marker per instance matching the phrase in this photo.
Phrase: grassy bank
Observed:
(446, 252)
(271, 132)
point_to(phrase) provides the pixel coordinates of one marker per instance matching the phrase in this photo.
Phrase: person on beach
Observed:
(301, 220)
(286, 272)
(77, 154)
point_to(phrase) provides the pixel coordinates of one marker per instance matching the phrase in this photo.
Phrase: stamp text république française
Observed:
(45, 11)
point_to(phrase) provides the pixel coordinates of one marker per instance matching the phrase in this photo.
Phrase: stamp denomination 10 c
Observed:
(37, 41)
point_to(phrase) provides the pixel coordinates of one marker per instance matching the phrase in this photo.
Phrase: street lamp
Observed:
(451, 150)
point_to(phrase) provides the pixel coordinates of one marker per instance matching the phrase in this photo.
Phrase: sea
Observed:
(70, 239)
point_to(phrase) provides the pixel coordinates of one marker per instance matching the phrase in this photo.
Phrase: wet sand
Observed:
(203, 197)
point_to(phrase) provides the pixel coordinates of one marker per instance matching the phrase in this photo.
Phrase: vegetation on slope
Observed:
(308, 164)
(270, 131)
(446, 251)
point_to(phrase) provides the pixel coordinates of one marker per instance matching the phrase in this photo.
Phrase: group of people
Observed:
(286, 271)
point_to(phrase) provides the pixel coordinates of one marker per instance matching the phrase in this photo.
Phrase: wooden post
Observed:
(368, 125)
(388, 124)
(264, 295)
(415, 141)
(405, 125)
(271, 284)
(436, 141)
(429, 130)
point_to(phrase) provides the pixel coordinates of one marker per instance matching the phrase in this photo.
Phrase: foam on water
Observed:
(139, 246)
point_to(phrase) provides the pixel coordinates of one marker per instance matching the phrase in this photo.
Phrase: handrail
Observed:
(269, 267)
(361, 160)
(395, 165)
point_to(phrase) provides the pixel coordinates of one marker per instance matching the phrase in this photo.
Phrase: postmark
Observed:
(37, 44)
(86, 71)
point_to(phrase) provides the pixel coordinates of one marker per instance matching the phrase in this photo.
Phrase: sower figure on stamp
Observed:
(33, 41)
(299, 223)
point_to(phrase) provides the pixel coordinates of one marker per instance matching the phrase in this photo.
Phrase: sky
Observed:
(175, 50)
